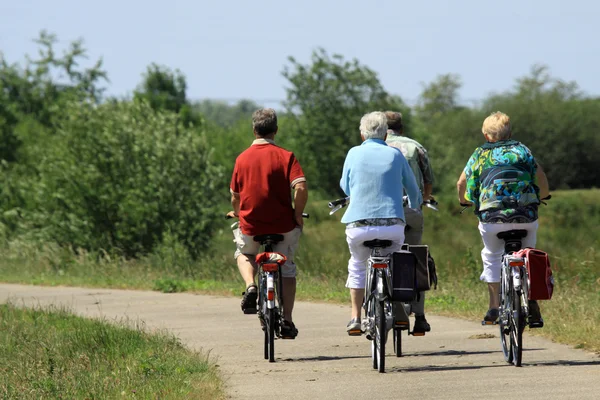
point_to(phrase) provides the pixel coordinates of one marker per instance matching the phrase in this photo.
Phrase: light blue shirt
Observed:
(375, 176)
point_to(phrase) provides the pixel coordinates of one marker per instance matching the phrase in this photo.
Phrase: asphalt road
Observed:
(456, 360)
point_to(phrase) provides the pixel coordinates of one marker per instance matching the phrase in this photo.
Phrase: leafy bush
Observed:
(120, 175)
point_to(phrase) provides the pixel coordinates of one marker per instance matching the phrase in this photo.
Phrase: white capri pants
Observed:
(493, 247)
(359, 253)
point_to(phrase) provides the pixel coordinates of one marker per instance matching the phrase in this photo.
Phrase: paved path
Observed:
(324, 363)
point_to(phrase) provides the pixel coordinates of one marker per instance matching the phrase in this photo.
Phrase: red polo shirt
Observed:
(263, 176)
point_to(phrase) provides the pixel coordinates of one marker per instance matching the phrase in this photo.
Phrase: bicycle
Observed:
(382, 311)
(514, 295)
(270, 289)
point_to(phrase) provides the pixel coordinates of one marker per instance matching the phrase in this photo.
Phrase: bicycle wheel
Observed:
(263, 315)
(380, 334)
(271, 333)
(504, 318)
(398, 342)
(517, 327)
(370, 316)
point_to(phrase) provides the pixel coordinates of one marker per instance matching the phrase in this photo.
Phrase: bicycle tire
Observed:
(370, 314)
(398, 342)
(262, 316)
(381, 330)
(517, 328)
(505, 327)
(271, 334)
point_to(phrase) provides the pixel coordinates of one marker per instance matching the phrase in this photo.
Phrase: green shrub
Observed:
(118, 176)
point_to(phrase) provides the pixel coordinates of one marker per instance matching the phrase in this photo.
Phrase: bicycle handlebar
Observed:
(339, 202)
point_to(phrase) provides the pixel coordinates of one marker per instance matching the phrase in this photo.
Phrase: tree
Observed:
(38, 91)
(439, 97)
(224, 114)
(165, 90)
(326, 100)
(559, 125)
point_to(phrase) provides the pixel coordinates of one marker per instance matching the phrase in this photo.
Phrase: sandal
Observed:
(249, 299)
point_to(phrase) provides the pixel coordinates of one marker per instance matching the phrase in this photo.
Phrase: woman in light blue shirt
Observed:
(375, 177)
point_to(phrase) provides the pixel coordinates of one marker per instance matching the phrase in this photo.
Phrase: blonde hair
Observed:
(497, 126)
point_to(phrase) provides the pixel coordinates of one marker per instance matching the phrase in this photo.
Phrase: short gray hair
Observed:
(264, 121)
(373, 125)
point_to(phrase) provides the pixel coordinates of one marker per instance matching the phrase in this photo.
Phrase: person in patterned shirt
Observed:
(504, 183)
(418, 160)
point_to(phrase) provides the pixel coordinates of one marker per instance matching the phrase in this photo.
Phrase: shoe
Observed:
(288, 330)
(354, 327)
(535, 315)
(421, 325)
(249, 299)
(491, 316)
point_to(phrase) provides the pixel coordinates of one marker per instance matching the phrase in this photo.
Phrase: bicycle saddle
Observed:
(515, 234)
(269, 237)
(377, 243)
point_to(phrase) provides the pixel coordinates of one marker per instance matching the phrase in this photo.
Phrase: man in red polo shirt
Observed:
(263, 177)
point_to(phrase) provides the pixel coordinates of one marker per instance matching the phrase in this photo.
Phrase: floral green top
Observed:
(501, 183)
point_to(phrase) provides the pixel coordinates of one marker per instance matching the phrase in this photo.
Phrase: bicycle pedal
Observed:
(355, 332)
(401, 325)
(418, 333)
(489, 322)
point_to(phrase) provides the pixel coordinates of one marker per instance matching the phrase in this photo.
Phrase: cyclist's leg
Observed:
(288, 271)
(246, 250)
(491, 255)
(357, 266)
(414, 219)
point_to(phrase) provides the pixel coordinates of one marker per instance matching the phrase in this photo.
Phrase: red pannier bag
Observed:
(541, 281)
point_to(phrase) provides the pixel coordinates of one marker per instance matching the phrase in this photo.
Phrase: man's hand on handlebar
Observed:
(231, 214)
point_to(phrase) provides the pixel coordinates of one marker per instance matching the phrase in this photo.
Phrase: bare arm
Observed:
(542, 182)
(300, 200)
(235, 203)
(461, 187)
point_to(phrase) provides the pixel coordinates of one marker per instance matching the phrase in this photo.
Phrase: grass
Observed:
(568, 232)
(51, 354)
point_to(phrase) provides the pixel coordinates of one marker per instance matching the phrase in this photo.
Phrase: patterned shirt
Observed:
(375, 222)
(415, 154)
(501, 183)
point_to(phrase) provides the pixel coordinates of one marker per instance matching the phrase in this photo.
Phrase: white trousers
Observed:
(493, 247)
(359, 253)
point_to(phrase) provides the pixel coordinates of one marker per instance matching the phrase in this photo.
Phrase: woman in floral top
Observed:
(504, 183)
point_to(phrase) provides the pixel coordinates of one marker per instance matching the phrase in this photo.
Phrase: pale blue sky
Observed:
(237, 49)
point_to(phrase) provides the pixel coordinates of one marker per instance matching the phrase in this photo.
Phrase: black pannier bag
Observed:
(404, 276)
(426, 273)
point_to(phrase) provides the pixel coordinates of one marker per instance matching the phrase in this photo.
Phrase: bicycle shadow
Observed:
(322, 358)
(439, 368)
(563, 363)
(458, 353)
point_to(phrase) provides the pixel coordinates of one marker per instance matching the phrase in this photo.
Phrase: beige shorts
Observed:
(246, 245)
